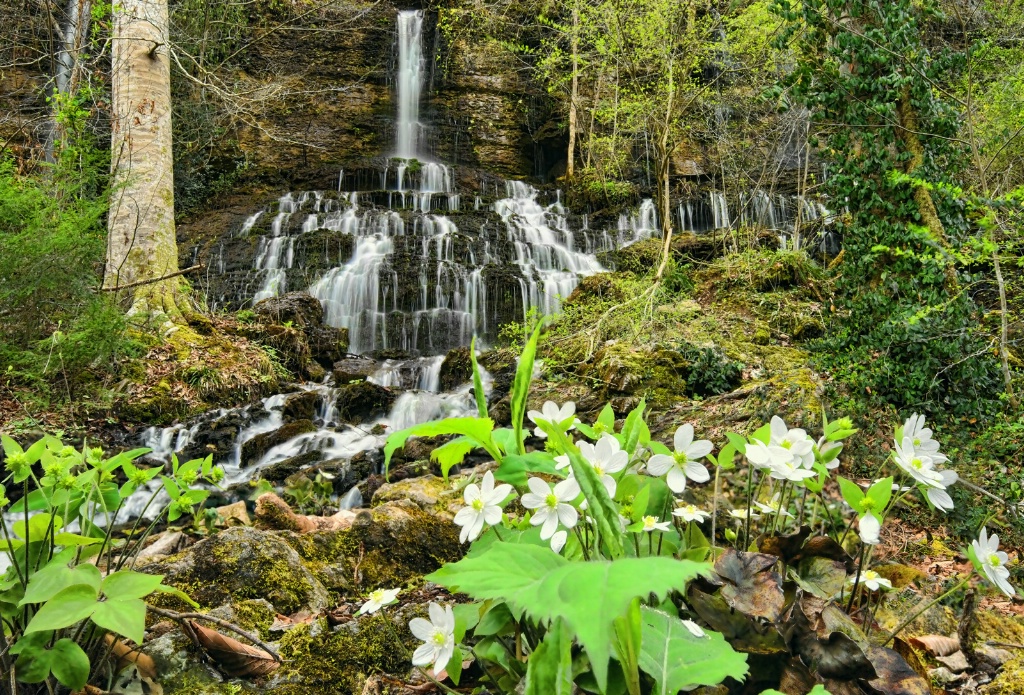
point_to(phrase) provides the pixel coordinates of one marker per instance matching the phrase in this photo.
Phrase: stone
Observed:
(254, 449)
(300, 406)
(428, 492)
(457, 369)
(353, 368)
(278, 472)
(326, 344)
(295, 309)
(363, 401)
(244, 563)
(234, 514)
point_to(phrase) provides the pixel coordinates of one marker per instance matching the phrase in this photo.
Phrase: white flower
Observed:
(939, 497)
(551, 413)
(558, 541)
(993, 561)
(379, 599)
(605, 457)
(870, 526)
(920, 436)
(482, 507)
(651, 523)
(791, 471)
(825, 446)
(872, 580)
(921, 467)
(772, 507)
(689, 512)
(795, 441)
(684, 462)
(742, 514)
(694, 628)
(552, 506)
(438, 635)
(762, 455)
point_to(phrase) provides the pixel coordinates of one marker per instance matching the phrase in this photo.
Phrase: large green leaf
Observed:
(521, 385)
(514, 468)
(65, 608)
(475, 428)
(677, 659)
(54, 578)
(588, 596)
(127, 617)
(126, 584)
(452, 453)
(549, 670)
(69, 664)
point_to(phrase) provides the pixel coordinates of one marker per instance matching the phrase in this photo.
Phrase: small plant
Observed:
(67, 591)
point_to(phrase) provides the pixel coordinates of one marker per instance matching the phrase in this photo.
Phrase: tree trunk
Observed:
(141, 244)
(574, 96)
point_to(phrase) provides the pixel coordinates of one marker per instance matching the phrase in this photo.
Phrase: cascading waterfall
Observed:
(410, 81)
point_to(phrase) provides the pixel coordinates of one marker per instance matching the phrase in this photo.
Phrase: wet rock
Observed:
(254, 449)
(362, 401)
(300, 406)
(278, 472)
(457, 369)
(244, 563)
(294, 309)
(326, 344)
(217, 436)
(353, 369)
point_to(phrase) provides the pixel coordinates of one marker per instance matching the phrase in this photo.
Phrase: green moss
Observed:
(254, 615)
(338, 662)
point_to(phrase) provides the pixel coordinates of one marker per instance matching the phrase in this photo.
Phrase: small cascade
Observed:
(410, 82)
(642, 225)
(544, 248)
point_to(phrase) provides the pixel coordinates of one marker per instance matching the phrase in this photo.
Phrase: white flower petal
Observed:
(424, 654)
(676, 480)
(697, 472)
(660, 464)
(699, 449)
(421, 629)
(683, 437)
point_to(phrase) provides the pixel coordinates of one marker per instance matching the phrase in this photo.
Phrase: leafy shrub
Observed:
(711, 372)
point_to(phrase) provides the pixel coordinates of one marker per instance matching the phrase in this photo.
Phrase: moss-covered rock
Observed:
(362, 401)
(244, 563)
(254, 449)
(457, 369)
(428, 492)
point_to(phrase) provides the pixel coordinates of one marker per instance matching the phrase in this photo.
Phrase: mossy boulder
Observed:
(362, 401)
(298, 309)
(429, 493)
(353, 369)
(457, 369)
(254, 449)
(243, 563)
(300, 406)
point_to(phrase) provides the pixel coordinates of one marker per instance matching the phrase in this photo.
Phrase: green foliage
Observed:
(531, 580)
(679, 660)
(710, 372)
(54, 582)
(904, 330)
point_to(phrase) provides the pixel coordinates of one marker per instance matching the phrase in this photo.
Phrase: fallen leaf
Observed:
(829, 653)
(231, 656)
(744, 633)
(820, 576)
(823, 546)
(936, 645)
(753, 586)
(126, 656)
(895, 676)
(785, 547)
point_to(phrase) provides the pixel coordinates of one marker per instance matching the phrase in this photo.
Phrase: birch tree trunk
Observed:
(141, 242)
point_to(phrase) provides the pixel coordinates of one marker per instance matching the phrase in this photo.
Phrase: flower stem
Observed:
(899, 628)
(714, 508)
(750, 489)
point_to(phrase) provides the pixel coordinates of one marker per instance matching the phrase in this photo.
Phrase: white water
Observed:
(410, 81)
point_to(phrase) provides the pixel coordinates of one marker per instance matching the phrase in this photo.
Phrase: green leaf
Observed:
(549, 670)
(454, 667)
(679, 660)
(38, 527)
(640, 501)
(607, 418)
(852, 494)
(452, 453)
(52, 579)
(173, 591)
(521, 385)
(514, 468)
(475, 428)
(69, 664)
(726, 456)
(589, 596)
(127, 617)
(495, 622)
(74, 539)
(633, 427)
(880, 493)
(478, 384)
(67, 607)
(762, 434)
(467, 615)
(127, 584)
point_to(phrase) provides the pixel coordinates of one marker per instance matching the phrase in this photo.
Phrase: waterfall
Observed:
(410, 81)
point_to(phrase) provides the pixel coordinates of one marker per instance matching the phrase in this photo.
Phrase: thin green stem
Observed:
(913, 617)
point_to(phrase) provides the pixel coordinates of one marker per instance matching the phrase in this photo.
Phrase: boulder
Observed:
(278, 472)
(327, 344)
(362, 401)
(429, 493)
(353, 368)
(457, 369)
(217, 436)
(300, 406)
(254, 449)
(244, 563)
(295, 309)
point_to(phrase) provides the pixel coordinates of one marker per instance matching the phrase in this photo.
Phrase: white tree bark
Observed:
(141, 241)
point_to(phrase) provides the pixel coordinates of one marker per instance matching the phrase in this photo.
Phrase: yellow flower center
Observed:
(994, 560)
(680, 458)
(787, 444)
(598, 469)
(917, 464)
(477, 504)
(917, 441)
(438, 638)
(377, 596)
(551, 500)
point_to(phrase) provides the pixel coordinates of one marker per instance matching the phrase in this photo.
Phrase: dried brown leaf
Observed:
(126, 656)
(823, 546)
(231, 656)
(785, 547)
(753, 586)
(895, 676)
(744, 633)
(936, 645)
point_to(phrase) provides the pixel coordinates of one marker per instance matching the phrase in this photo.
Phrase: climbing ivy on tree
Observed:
(905, 325)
